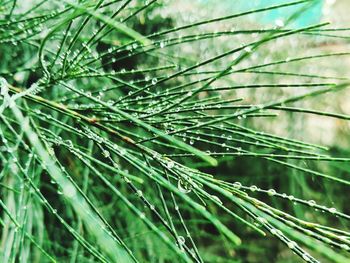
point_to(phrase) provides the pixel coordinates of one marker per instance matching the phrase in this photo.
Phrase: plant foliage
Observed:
(131, 135)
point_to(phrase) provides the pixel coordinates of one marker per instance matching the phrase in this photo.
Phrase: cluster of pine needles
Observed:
(111, 138)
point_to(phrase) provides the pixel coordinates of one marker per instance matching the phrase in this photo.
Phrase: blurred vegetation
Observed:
(172, 131)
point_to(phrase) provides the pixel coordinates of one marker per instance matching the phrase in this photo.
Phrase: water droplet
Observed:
(154, 81)
(332, 210)
(291, 244)
(184, 188)
(106, 153)
(237, 185)
(69, 144)
(248, 49)
(253, 188)
(181, 240)
(170, 164)
(122, 152)
(306, 257)
(311, 203)
(279, 22)
(271, 192)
